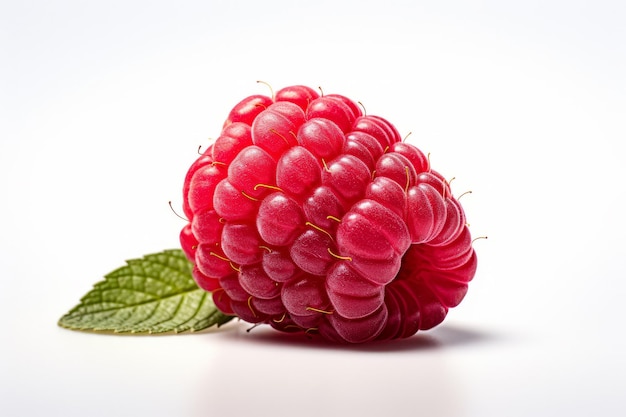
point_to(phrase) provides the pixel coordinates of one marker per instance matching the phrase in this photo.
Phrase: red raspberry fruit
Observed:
(310, 216)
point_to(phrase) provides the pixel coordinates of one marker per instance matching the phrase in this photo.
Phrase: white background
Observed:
(104, 104)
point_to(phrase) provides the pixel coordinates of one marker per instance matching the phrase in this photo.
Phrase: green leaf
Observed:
(154, 294)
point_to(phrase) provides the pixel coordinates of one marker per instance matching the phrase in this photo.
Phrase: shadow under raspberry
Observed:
(442, 337)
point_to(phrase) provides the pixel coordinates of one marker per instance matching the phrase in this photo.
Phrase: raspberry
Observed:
(310, 216)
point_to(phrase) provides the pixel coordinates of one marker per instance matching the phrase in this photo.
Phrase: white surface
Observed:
(103, 105)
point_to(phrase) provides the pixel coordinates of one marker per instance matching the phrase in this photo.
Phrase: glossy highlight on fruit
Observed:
(310, 216)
